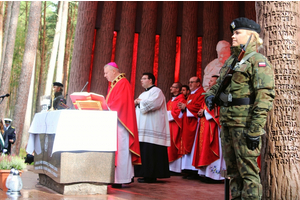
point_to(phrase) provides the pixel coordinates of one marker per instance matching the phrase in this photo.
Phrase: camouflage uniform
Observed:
(254, 80)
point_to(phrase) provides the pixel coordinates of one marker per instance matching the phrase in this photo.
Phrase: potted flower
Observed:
(6, 163)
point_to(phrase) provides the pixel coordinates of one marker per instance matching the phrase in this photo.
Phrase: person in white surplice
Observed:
(154, 132)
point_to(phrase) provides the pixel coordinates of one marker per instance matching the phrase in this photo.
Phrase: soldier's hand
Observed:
(252, 142)
(209, 102)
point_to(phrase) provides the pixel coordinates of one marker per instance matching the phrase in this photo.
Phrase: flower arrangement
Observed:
(11, 161)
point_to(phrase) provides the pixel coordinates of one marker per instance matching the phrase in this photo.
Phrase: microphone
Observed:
(84, 86)
(6, 95)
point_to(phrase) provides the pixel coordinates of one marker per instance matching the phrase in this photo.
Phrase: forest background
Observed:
(36, 41)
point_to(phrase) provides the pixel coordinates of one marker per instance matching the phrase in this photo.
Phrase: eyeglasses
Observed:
(144, 78)
(192, 82)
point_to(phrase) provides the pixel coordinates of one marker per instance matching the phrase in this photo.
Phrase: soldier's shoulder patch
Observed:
(262, 64)
(12, 127)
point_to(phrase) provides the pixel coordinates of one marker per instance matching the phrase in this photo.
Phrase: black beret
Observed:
(244, 23)
(58, 84)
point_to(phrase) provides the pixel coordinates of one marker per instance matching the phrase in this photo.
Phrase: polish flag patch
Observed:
(262, 64)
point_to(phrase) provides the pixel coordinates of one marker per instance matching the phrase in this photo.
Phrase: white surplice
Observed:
(152, 118)
(124, 170)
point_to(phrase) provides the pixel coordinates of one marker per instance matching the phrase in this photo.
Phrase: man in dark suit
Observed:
(10, 132)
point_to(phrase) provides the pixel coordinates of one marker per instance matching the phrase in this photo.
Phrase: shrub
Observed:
(12, 161)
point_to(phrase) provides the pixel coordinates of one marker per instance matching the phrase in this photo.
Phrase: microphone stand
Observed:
(84, 86)
(2, 99)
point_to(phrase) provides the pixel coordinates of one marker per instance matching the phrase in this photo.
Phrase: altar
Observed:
(74, 150)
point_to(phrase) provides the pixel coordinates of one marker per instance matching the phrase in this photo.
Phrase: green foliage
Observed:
(22, 153)
(10, 161)
(23, 21)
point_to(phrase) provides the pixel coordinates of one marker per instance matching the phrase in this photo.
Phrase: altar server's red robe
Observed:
(175, 150)
(120, 99)
(189, 124)
(207, 141)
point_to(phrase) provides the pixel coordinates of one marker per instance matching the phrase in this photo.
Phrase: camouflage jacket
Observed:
(255, 77)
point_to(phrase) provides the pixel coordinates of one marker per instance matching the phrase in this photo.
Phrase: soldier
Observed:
(244, 103)
(58, 99)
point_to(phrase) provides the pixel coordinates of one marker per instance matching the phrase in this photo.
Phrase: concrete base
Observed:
(73, 189)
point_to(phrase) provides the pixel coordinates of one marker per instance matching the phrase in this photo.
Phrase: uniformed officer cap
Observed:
(7, 120)
(244, 23)
(58, 84)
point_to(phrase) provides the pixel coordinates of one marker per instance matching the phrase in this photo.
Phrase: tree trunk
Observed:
(53, 54)
(29, 110)
(145, 55)
(230, 9)
(188, 58)
(84, 38)
(8, 58)
(1, 27)
(167, 48)
(41, 80)
(250, 10)
(124, 47)
(280, 170)
(210, 32)
(62, 42)
(68, 49)
(73, 26)
(103, 47)
(7, 23)
(26, 71)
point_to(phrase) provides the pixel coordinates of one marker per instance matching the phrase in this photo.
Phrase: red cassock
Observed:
(189, 124)
(117, 93)
(207, 141)
(175, 150)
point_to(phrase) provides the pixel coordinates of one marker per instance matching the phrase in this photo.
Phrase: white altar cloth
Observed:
(75, 130)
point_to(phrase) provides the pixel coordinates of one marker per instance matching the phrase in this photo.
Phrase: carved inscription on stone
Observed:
(281, 28)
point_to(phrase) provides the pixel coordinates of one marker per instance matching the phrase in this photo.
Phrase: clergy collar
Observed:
(176, 95)
(117, 79)
(193, 92)
(150, 88)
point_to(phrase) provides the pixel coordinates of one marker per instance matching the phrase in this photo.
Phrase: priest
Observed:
(189, 111)
(208, 151)
(175, 123)
(120, 99)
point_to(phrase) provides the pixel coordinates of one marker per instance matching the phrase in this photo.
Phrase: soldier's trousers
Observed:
(241, 164)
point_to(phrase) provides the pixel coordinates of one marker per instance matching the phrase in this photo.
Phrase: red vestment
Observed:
(189, 124)
(207, 141)
(174, 151)
(120, 99)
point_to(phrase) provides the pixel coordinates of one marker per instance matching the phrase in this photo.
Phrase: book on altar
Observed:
(88, 101)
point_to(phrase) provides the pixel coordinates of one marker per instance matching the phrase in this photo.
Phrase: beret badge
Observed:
(232, 25)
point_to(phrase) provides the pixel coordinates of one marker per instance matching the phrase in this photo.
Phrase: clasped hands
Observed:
(181, 106)
(137, 101)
